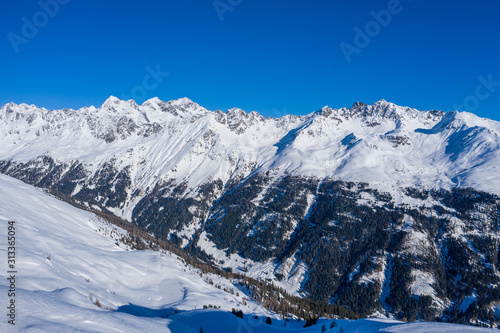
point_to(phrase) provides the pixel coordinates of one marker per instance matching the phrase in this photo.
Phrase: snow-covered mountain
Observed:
(393, 203)
(74, 275)
(180, 141)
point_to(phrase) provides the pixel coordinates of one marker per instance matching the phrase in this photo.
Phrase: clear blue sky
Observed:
(274, 57)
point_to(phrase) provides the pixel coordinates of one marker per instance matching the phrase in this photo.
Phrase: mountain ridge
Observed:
(181, 141)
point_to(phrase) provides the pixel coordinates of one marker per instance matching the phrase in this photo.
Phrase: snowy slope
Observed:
(67, 259)
(66, 256)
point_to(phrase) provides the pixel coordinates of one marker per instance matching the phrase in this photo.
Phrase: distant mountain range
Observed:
(182, 141)
(374, 207)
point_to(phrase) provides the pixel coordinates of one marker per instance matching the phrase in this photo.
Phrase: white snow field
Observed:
(67, 260)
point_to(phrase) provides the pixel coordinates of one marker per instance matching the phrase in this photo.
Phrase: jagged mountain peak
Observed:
(182, 101)
(180, 104)
(383, 111)
(155, 100)
(378, 110)
(325, 109)
(186, 104)
(10, 104)
(185, 108)
(22, 107)
(112, 100)
(382, 102)
(115, 104)
(236, 111)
